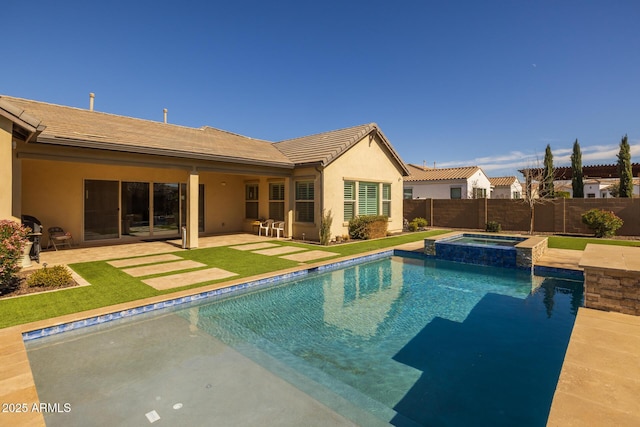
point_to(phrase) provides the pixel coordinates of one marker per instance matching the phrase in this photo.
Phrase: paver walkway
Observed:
(190, 278)
(147, 270)
(302, 255)
(130, 262)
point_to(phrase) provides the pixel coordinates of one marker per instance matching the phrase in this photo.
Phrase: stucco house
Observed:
(446, 183)
(107, 178)
(505, 187)
(597, 179)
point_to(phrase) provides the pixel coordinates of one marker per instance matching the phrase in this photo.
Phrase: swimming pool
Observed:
(481, 249)
(398, 340)
(481, 239)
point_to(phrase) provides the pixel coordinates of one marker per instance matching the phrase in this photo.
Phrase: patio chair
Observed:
(276, 228)
(266, 226)
(58, 238)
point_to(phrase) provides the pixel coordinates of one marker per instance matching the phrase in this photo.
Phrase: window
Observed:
(368, 198)
(516, 195)
(386, 199)
(591, 196)
(251, 201)
(456, 192)
(276, 201)
(479, 193)
(304, 201)
(407, 193)
(349, 200)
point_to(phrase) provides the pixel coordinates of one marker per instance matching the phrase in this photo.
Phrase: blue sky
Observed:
(458, 83)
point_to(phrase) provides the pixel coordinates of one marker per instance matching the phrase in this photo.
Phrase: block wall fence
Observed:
(552, 216)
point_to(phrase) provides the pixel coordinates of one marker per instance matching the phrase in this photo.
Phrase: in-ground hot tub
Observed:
(486, 249)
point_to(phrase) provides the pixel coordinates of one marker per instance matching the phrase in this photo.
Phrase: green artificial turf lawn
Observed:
(110, 285)
(579, 243)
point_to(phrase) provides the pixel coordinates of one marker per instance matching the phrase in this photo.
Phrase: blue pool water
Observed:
(408, 341)
(474, 239)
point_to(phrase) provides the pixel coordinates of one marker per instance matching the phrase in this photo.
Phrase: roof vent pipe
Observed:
(165, 114)
(91, 98)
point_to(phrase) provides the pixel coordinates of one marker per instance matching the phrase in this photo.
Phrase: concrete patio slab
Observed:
(120, 263)
(136, 248)
(148, 270)
(309, 256)
(185, 279)
(600, 379)
(280, 250)
(560, 258)
(254, 246)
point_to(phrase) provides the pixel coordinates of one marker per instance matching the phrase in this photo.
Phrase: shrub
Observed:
(55, 277)
(493, 226)
(603, 223)
(325, 227)
(368, 227)
(13, 238)
(417, 224)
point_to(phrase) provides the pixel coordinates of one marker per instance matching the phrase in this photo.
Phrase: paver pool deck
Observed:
(599, 383)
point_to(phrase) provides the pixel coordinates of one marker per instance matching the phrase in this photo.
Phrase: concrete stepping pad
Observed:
(309, 256)
(279, 250)
(190, 278)
(162, 268)
(143, 260)
(253, 246)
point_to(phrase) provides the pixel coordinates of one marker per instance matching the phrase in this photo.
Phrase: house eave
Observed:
(99, 145)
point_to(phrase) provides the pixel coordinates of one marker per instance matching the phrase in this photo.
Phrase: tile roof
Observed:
(503, 181)
(92, 129)
(419, 173)
(323, 148)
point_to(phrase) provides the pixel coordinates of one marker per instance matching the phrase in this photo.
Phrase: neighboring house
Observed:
(597, 179)
(505, 187)
(601, 188)
(446, 183)
(107, 178)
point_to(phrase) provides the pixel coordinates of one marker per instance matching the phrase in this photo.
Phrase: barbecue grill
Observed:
(36, 233)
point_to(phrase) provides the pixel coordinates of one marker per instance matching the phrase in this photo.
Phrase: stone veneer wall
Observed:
(612, 290)
(530, 251)
(612, 278)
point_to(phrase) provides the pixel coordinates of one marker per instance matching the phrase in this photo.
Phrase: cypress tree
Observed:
(624, 169)
(577, 182)
(547, 189)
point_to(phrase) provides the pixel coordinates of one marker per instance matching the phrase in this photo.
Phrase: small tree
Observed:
(624, 169)
(577, 179)
(603, 223)
(546, 185)
(534, 178)
(325, 227)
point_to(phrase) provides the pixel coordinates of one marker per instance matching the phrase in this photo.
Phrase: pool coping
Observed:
(16, 378)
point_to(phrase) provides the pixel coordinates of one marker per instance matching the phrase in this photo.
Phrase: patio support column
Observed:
(6, 169)
(288, 210)
(192, 210)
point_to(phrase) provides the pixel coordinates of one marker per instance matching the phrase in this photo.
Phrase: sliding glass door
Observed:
(166, 208)
(141, 209)
(101, 209)
(134, 200)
